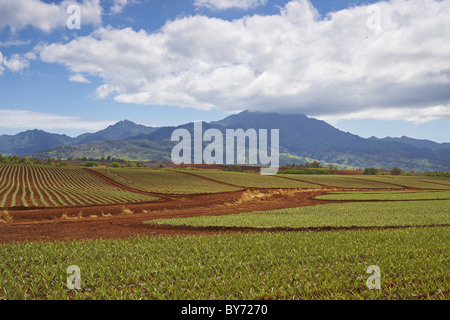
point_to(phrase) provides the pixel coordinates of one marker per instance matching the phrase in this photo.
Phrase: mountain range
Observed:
(31, 141)
(301, 139)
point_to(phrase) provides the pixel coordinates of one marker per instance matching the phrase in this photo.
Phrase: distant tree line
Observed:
(438, 174)
(394, 171)
(306, 165)
(102, 159)
(127, 164)
(305, 171)
(314, 167)
(115, 163)
(310, 165)
(22, 160)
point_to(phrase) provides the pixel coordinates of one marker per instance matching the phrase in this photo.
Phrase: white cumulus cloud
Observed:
(118, 6)
(18, 14)
(294, 61)
(418, 116)
(15, 63)
(78, 78)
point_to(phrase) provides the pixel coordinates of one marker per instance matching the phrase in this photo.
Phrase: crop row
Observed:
(388, 195)
(410, 181)
(163, 181)
(255, 180)
(389, 213)
(36, 186)
(177, 181)
(413, 264)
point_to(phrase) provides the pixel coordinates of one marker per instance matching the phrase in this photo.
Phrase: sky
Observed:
(366, 67)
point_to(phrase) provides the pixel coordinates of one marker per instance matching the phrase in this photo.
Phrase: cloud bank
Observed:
(295, 61)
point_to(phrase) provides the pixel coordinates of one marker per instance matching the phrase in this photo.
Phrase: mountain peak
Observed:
(253, 119)
(34, 131)
(121, 130)
(125, 122)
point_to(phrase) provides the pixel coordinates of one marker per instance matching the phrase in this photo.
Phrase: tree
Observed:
(90, 164)
(396, 171)
(315, 164)
(370, 171)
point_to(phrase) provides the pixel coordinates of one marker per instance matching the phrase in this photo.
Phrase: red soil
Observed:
(110, 221)
(53, 224)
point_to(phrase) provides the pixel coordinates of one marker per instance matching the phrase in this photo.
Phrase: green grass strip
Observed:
(396, 195)
(346, 214)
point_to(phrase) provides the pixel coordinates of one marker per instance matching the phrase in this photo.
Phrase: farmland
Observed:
(348, 214)
(254, 180)
(41, 186)
(157, 233)
(314, 265)
(163, 181)
(345, 181)
(411, 181)
(384, 195)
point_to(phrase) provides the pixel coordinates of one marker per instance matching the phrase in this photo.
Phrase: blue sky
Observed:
(370, 68)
